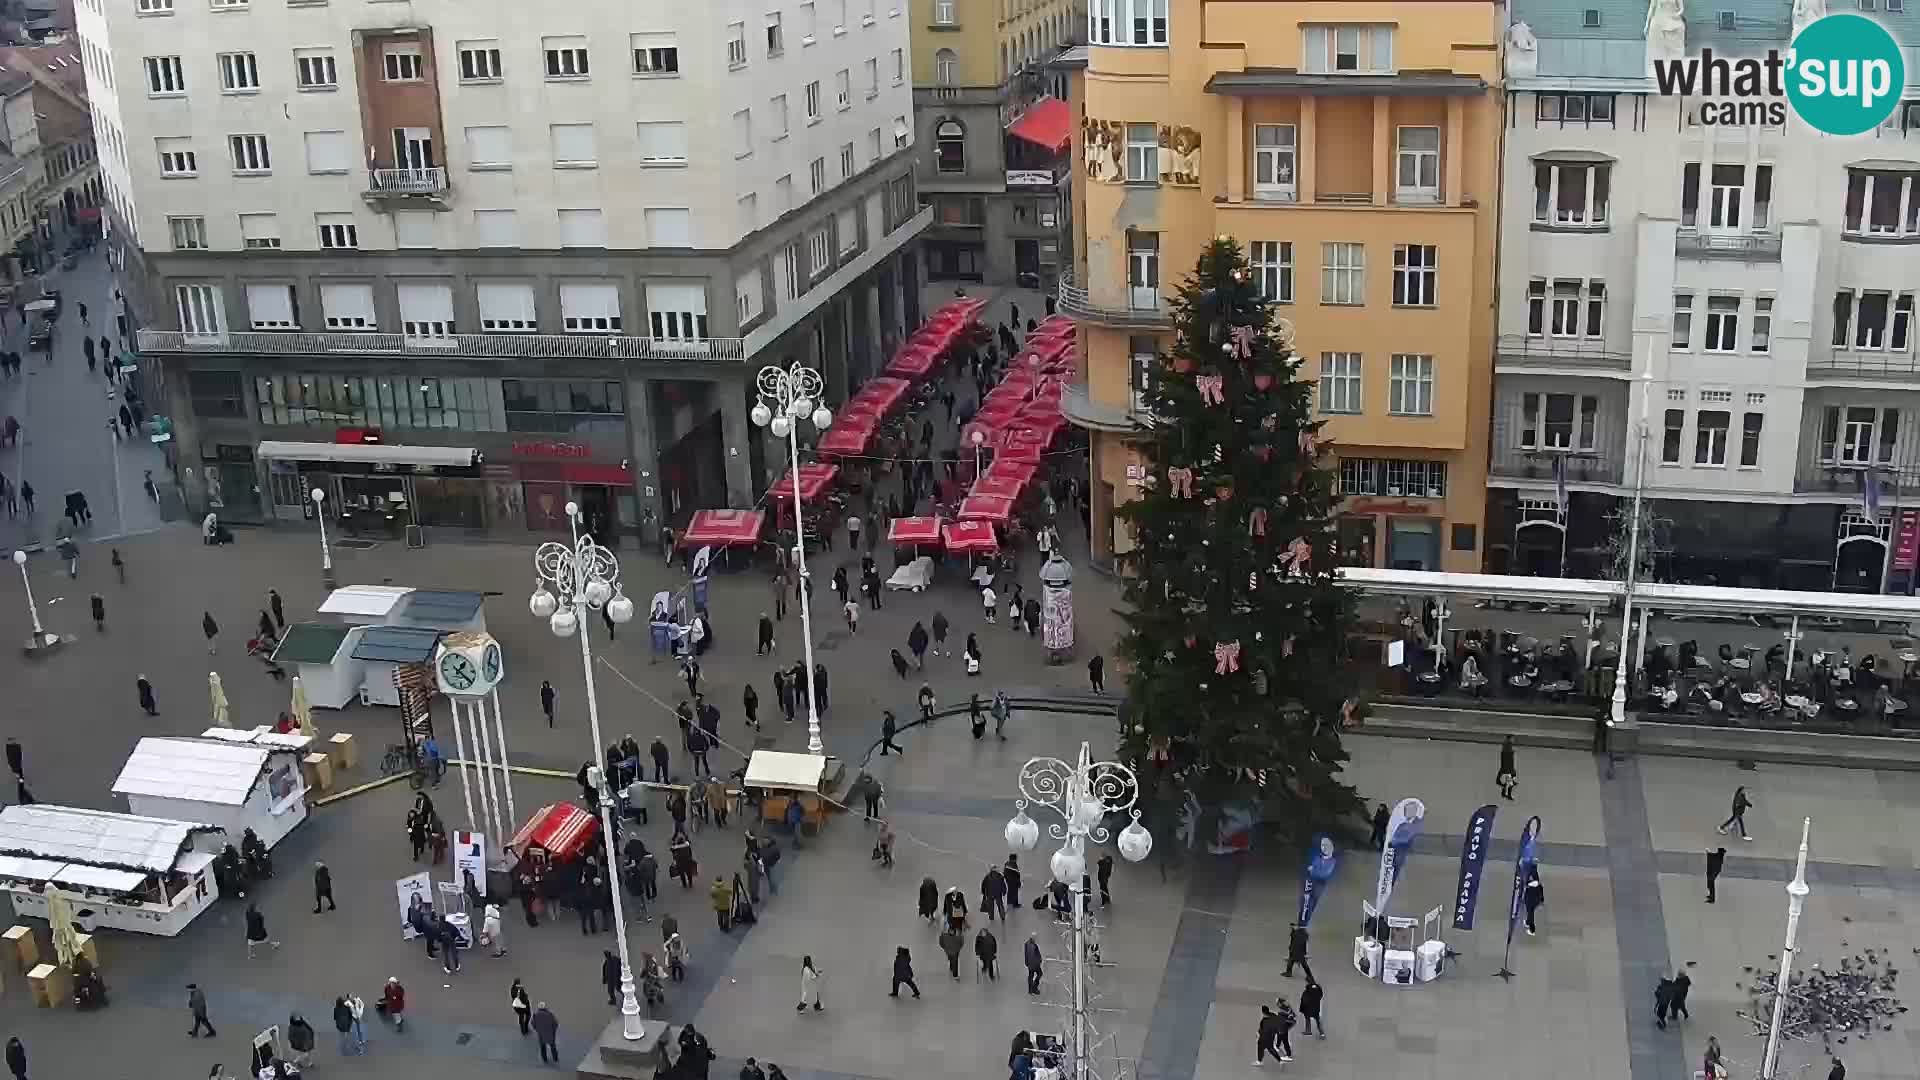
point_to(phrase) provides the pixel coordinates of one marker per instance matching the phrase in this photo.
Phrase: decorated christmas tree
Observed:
(1236, 631)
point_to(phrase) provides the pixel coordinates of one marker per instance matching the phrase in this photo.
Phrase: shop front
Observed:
(550, 473)
(1399, 534)
(375, 489)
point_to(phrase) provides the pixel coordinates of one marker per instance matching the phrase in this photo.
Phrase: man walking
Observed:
(1033, 959)
(1297, 951)
(1310, 1002)
(765, 646)
(1677, 1005)
(1716, 861)
(888, 728)
(993, 894)
(145, 690)
(546, 700)
(1662, 998)
(197, 1002)
(278, 608)
(940, 626)
(1284, 1036)
(1097, 673)
(322, 887)
(1741, 804)
(212, 630)
(546, 1028)
(1268, 1035)
(1103, 870)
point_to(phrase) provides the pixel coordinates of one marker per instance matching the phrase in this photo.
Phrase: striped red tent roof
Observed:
(914, 530)
(559, 829)
(963, 537)
(720, 528)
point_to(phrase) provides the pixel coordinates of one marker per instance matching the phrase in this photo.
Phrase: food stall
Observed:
(381, 651)
(364, 605)
(909, 535)
(395, 605)
(784, 777)
(118, 870)
(236, 786)
(320, 655)
(557, 832)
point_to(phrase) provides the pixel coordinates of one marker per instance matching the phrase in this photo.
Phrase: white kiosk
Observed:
(122, 871)
(321, 656)
(236, 786)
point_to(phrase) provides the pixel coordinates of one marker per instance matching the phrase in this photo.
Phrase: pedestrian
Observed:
(1011, 874)
(888, 729)
(1682, 984)
(809, 986)
(1716, 861)
(1508, 775)
(1032, 616)
(722, 896)
(343, 1023)
(119, 566)
(819, 687)
(1662, 998)
(1838, 1072)
(854, 525)
(147, 485)
(522, 1007)
(546, 700)
(1097, 673)
(197, 1004)
(1533, 895)
(1034, 962)
(1377, 840)
(903, 972)
(976, 718)
(940, 626)
(717, 801)
(1268, 1035)
(358, 1007)
(83, 314)
(658, 751)
(850, 611)
(917, 644)
(610, 975)
(266, 628)
(86, 346)
(971, 656)
(278, 609)
(300, 1040)
(869, 790)
(322, 887)
(26, 496)
(1741, 804)
(145, 690)
(490, 930)
(986, 949)
(1002, 708)
(17, 1058)
(99, 605)
(1104, 871)
(546, 1027)
(257, 930)
(211, 629)
(1015, 608)
(899, 664)
(1283, 1036)
(750, 704)
(1310, 1002)
(698, 746)
(993, 894)
(1712, 1064)
(766, 645)
(926, 703)
(987, 602)
(929, 899)
(1297, 951)
(675, 948)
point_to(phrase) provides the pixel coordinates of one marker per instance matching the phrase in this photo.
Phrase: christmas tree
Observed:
(1236, 629)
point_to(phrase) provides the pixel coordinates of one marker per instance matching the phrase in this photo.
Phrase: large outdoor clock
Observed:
(468, 664)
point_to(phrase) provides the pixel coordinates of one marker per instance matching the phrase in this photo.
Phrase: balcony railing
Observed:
(1833, 477)
(1523, 351)
(1128, 309)
(1756, 247)
(535, 346)
(1078, 406)
(1843, 364)
(407, 181)
(1583, 467)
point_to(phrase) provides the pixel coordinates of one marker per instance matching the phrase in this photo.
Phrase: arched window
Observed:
(950, 147)
(946, 67)
(1006, 66)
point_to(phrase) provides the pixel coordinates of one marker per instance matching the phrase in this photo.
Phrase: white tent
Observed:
(237, 786)
(121, 870)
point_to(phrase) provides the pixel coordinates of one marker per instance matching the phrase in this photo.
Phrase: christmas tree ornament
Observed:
(1212, 389)
(1309, 444)
(1219, 452)
(1243, 338)
(1263, 453)
(1257, 521)
(1180, 482)
(1262, 380)
(1297, 555)
(1223, 492)
(1226, 658)
(1190, 642)
(1269, 422)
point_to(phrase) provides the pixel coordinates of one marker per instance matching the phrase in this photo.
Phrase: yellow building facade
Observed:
(1353, 149)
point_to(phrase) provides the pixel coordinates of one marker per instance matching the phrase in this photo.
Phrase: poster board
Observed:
(420, 885)
(469, 854)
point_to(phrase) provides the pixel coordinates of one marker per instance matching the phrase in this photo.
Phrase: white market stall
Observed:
(291, 741)
(785, 777)
(236, 786)
(364, 605)
(321, 655)
(399, 605)
(122, 871)
(381, 651)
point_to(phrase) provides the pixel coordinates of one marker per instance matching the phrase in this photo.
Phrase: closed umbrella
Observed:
(302, 711)
(219, 695)
(60, 921)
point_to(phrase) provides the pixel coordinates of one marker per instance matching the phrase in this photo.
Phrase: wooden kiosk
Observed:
(783, 778)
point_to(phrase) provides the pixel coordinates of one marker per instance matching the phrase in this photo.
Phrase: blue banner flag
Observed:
(1402, 826)
(1320, 867)
(1528, 856)
(1473, 865)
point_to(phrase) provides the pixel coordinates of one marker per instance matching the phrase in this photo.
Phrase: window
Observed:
(249, 154)
(1416, 275)
(943, 12)
(1377, 476)
(313, 69)
(736, 45)
(1572, 109)
(239, 72)
(808, 24)
(1410, 385)
(1571, 195)
(781, 123)
(271, 307)
(582, 229)
(154, 7)
(902, 134)
(677, 312)
(1127, 22)
(1682, 320)
(189, 233)
(573, 146)
(843, 89)
(746, 296)
(846, 161)
(1340, 383)
(1273, 265)
(817, 175)
(566, 57)
(490, 147)
(1864, 429)
(506, 308)
(1145, 353)
(669, 226)
(1143, 270)
(1710, 437)
(665, 143)
(950, 147)
(1750, 425)
(655, 55)
(165, 76)
(1762, 196)
(426, 310)
(742, 136)
(846, 229)
(1273, 161)
(337, 230)
(348, 307)
(874, 145)
(1881, 203)
(899, 66)
(813, 101)
(783, 193)
(177, 157)
(872, 68)
(1877, 320)
(1564, 422)
(1349, 50)
(260, 231)
(496, 228)
(1418, 175)
(416, 229)
(1143, 154)
(572, 407)
(329, 152)
(1723, 323)
(747, 209)
(1675, 431)
(776, 41)
(480, 61)
(228, 5)
(590, 308)
(1343, 274)
(1728, 189)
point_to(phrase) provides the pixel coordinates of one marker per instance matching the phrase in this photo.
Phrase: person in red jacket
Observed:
(393, 1003)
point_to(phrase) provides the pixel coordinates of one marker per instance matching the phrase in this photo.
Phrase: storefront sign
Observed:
(1029, 178)
(1906, 542)
(1136, 475)
(550, 448)
(1386, 506)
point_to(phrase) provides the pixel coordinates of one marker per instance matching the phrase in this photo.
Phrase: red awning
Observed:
(914, 530)
(1021, 473)
(995, 486)
(850, 434)
(965, 537)
(560, 829)
(1049, 124)
(985, 508)
(813, 480)
(882, 392)
(913, 362)
(720, 528)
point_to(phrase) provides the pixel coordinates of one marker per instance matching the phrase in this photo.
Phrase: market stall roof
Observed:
(1003, 486)
(1021, 473)
(718, 528)
(98, 878)
(26, 868)
(963, 537)
(914, 530)
(813, 479)
(556, 827)
(311, 643)
(442, 606)
(912, 362)
(397, 644)
(364, 601)
(883, 391)
(1048, 124)
(196, 770)
(786, 771)
(850, 434)
(262, 736)
(95, 837)
(985, 508)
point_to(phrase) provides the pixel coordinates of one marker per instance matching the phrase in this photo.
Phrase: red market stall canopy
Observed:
(984, 508)
(882, 393)
(562, 830)
(994, 486)
(1020, 473)
(720, 528)
(914, 530)
(1048, 125)
(849, 435)
(813, 479)
(967, 537)
(913, 362)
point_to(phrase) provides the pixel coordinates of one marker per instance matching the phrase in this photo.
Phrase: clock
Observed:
(468, 664)
(490, 663)
(457, 673)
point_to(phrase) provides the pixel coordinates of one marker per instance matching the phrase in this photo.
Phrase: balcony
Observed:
(1125, 308)
(1816, 477)
(1754, 247)
(1864, 365)
(532, 346)
(1078, 406)
(1523, 354)
(421, 185)
(1583, 467)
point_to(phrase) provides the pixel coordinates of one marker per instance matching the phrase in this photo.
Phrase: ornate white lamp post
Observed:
(979, 440)
(586, 577)
(41, 639)
(788, 396)
(319, 497)
(1617, 716)
(1796, 901)
(1083, 794)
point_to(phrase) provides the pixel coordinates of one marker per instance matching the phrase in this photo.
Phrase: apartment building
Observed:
(1756, 284)
(528, 255)
(993, 129)
(1353, 148)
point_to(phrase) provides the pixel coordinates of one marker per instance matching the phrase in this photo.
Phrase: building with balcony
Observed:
(1352, 148)
(1755, 282)
(506, 230)
(993, 129)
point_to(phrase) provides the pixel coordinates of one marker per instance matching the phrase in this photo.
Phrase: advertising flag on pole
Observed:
(1870, 495)
(1320, 867)
(1402, 827)
(1560, 483)
(1528, 857)
(1473, 865)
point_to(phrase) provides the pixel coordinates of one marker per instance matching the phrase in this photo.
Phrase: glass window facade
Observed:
(564, 407)
(427, 402)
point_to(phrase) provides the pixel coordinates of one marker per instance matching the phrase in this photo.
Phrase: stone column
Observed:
(735, 430)
(643, 458)
(870, 327)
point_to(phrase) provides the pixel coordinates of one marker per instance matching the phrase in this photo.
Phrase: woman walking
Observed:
(1508, 775)
(522, 1005)
(809, 986)
(257, 930)
(929, 899)
(1741, 804)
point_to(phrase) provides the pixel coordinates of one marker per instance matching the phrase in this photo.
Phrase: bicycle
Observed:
(401, 758)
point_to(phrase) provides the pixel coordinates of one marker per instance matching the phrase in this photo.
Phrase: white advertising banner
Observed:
(409, 888)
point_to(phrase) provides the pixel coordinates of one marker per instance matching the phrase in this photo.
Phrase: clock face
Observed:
(457, 671)
(490, 662)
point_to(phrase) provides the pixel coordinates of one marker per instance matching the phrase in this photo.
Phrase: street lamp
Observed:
(319, 497)
(1796, 901)
(1083, 794)
(979, 440)
(585, 576)
(41, 638)
(1617, 718)
(787, 396)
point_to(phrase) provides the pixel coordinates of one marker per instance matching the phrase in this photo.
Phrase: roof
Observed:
(397, 644)
(558, 828)
(1277, 81)
(197, 770)
(368, 601)
(95, 837)
(780, 769)
(442, 606)
(1048, 124)
(311, 643)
